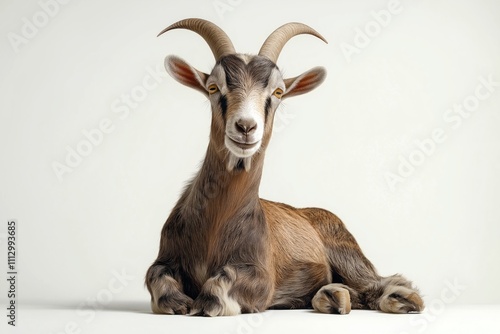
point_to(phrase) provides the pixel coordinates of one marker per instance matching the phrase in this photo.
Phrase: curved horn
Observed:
(278, 38)
(219, 42)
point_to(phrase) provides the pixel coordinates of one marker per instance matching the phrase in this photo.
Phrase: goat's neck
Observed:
(218, 193)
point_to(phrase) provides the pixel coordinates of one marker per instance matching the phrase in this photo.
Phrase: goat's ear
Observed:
(186, 74)
(305, 82)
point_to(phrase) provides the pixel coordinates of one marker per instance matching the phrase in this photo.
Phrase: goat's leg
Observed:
(334, 298)
(214, 299)
(393, 294)
(234, 290)
(166, 292)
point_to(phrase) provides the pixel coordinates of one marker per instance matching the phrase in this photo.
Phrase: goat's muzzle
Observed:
(242, 148)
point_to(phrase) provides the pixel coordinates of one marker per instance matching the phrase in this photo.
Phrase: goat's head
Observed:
(244, 90)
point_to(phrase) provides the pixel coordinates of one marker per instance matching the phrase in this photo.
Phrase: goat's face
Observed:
(244, 92)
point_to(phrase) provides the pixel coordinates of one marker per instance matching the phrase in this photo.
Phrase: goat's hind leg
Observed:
(166, 292)
(394, 294)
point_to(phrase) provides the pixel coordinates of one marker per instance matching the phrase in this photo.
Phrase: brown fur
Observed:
(225, 251)
(281, 255)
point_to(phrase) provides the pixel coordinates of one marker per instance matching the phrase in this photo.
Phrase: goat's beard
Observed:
(239, 158)
(236, 163)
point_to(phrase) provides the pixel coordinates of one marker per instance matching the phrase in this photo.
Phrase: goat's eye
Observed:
(278, 92)
(213, 89)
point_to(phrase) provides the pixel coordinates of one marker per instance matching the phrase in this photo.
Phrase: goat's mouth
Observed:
(241, 149)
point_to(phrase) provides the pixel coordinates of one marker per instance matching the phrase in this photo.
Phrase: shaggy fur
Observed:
(225, 251)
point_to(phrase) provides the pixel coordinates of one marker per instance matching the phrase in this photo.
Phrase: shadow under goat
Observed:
(224, 250)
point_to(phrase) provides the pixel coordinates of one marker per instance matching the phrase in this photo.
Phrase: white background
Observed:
(333, 148)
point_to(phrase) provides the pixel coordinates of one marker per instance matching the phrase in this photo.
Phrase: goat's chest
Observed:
(217, 244)
(203, 260)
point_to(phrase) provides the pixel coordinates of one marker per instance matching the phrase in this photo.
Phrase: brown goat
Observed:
(225, 251)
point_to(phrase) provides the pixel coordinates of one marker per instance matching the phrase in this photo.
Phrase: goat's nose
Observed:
(246, 126)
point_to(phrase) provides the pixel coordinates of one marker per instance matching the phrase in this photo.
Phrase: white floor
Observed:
(136, 318)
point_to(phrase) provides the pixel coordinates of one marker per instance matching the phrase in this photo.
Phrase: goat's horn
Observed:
(278, 38)
(219, 42)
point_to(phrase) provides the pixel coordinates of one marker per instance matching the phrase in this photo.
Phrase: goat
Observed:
(225, 251)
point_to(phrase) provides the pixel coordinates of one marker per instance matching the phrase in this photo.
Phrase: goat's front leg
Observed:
(234, 290)
(166, 292)
(214, 299)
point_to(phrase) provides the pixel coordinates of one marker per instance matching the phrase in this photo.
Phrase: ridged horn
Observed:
(276, 41)
(216, 38)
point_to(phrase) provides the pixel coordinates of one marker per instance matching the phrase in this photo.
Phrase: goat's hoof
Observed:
(400, 299)
(332, 298)
(173, 304)
(212, 306)
(206, 305)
